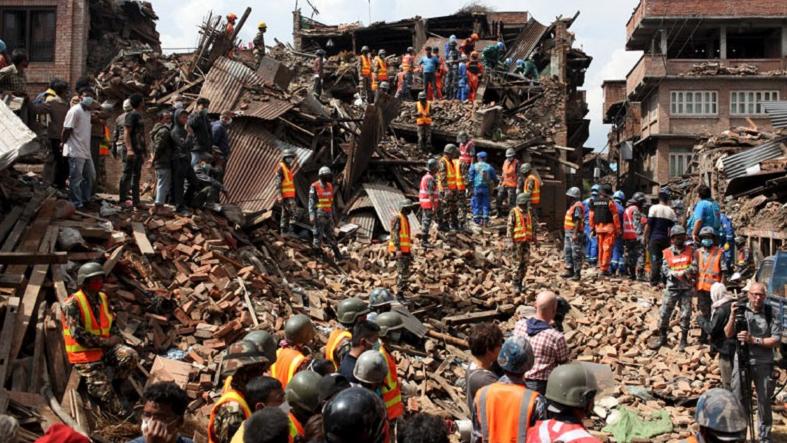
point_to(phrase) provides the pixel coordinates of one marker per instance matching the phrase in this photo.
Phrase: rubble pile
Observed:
(717, 68)
(118, 26)
(147, 72)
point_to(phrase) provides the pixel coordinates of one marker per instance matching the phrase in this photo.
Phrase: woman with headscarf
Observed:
(719, 343)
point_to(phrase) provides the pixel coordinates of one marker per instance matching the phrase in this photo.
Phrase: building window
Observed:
(694, 103)
(679, 161)
(32, 30)
(751, 102)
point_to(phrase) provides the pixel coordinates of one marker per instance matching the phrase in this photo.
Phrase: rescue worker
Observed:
(475, 70)
(573, 233)
(380, 300)
(678, 269)
(711, 268)
(265, 343)
(468, 45)
(318, 66)
(506, 192)
(302, 395)
(428, 199)
(744, 262)
(461, 194)
(259, 42)
(466, 151)
(447, 187)
(285, 183)
(391, 326)
(529, 182)
(493, 55)
(591, 245)
(720, 416)
(521, 234)
(604, 225)
(506, 408)
(243, 362)
(440, 73)
(407, 67)
(293, 356)
(365, 74)
(370, 370)
(321, 211)
(379, 69)
(571, 389)
(482, 178)
(462, 81)
(527, 69)
(231, 19)
(348, 312)
(452, 65)
(616, 265)
(383, 88)
(633, 231)
(355, 415)
(92, 340)
(400, 245)
(423, 122)
(727, 242)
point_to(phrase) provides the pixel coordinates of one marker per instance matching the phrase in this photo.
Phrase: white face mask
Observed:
(145, 425)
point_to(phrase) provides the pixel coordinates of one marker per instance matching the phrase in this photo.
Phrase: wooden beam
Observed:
(11, 280)
(39, 362)
(109, 265)
(142, 238)
(33, 258)
(9, 221)
(9, 324)
(471, 317)
(33, 238)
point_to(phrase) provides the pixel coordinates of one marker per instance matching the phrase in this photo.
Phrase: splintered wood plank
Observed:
(33, 238)
(9, 221)
(142, 238)
(32, 258)
(109, 265)
(9, 324)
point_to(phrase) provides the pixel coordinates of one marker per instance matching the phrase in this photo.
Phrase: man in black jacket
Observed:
(203, 138)
(719, 342)
(162, 156)
(182, 172)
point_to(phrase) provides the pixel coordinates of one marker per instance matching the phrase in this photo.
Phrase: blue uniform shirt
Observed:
(429, 63)
(476, 175)
(709, 213)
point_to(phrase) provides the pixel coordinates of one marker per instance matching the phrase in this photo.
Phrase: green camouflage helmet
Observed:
(523, 198)
(719, 410)
(380, 297)
(265, 342)
(303, 391)
(388, 322)
(571, 385)
(451, 149)
(431, 165)
(241, 354)
(89, 270)
(349, 309)
(299, 330)
(371, 368)
(525, 168)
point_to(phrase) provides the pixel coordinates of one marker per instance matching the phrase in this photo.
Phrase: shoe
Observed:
(662, 340)
(577, 276)
(567, 274)
(606, 273)
(683, 341)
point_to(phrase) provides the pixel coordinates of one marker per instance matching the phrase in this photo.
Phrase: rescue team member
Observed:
(285, 182)
(482, 178)
(440, 73)
(506, 192)
(348, 312)
(710, 269)
(365, 74)
(521, 235)
(259, 43)
(466, 151)
(530, 184)
(243, 362)
(299, 332)
(379, 70)
(428, 200)
(573, 233)
(616, 265)
(407, 66)
(321, 211)
(604, 224)
(461, 195)
(391, 326)
(92, 340)
(721, 417)
(571, 389)
(423, 122)
(591, 245)
(633, 231)
(231, 19)
(302, 395)
(474, 72)
(355, 415)
(447, 177)
(678, 269)
(505, 410)
(400, 245)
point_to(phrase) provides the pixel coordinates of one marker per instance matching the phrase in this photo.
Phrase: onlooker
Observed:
(268, 425)
(200, 128)
(719, 342)
(162, 414)
(182, 172)
(76, 147)
(365, 336)
(162, 156)
(706, 213)
(117, 134)
(486, 339)
(3, 55)
(423, 428)
(56, 106)
(661, 218)
(429, 66)
(135, 153)
(549, 344)
(12, 77)
(220, 135)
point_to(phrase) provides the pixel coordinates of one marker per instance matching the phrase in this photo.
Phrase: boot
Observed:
(577, 275)
(662, 339)
(684, 335)
(704, 338)
(568, 274)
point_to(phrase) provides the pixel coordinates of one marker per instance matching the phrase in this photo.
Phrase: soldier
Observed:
(379, 70)
(303, 397)
(293, 356)
(428, 199)
(529, 182)
(400, 246)
(447, 187)
(285, 183)
(355, 415)
(380, 300)
(506, 192)
(407, 66)
(423, 122)
(370, 370)
(243, 362)
(92, 339)
(573, 231)
(521, 234)
(259, 42)
(321, 211)
(633, 230)
(720, 416)
(391, 326)
(461, 195)
(466, 151)
(678, 269)
(348, 312)
(711, 268)
(365, 74)
(591, 243)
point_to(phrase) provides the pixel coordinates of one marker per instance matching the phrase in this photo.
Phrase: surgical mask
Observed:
(87, 101)
(145, 425)
(707, 242)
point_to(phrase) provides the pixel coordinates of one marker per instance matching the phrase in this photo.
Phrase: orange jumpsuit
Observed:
(604, 221)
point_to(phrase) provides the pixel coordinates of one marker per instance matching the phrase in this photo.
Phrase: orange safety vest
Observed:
(679, 262)
(535, 194)
(228, 396)
(288, 360)
(510, 168)
(404, 235)
(629, 232)
(296, 428)
(392, 393)
(504, 412)
(75, 352)
(460, 180)
(334, 340)
(692, 439)
(568, 222)
(103, 145)
(287, 182)
(407, 62)
(324, 196)
(709, 268)
(423, 118)
(523, 226)
(382, 69)
(547, 431)
(450, 175)
(366, 66)
(424, 198)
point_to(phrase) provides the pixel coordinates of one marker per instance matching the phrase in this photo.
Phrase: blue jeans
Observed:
(81, 175)
(163, 185)
(617, 255)
(591, 247)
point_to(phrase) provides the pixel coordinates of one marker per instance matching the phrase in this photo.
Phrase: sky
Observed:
(600, 28)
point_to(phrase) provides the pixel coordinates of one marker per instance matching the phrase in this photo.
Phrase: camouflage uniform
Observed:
(633, 261)
(573, 246)
(118, 359)
(677, 291)
(447, 209)
(288, 207)
(323, 224)
(521, 251)
(427, 215)
(229, 418)
(461, 208)
(403, 262)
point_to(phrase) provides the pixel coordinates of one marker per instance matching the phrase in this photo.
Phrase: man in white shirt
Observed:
(76, 147)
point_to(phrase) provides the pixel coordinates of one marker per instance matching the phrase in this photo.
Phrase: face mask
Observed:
(87, 101)
(707, 242)
(145, 425)
(95, 286)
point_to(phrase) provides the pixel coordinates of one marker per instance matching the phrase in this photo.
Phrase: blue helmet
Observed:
(501, 45)
(452, 38)
(481, 155)
(520, 63)
(619, 196)
(595, 189)
(2, 46)
(516, 355)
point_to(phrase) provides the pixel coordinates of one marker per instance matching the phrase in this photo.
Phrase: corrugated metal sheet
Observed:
(736, 165)
(365, 219)
(361, 202)
(777, 112)
(16, 138)
(386, 204)
(527, 41)
(251, 173)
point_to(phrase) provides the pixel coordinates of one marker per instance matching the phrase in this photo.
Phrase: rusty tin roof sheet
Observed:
(386, 204)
